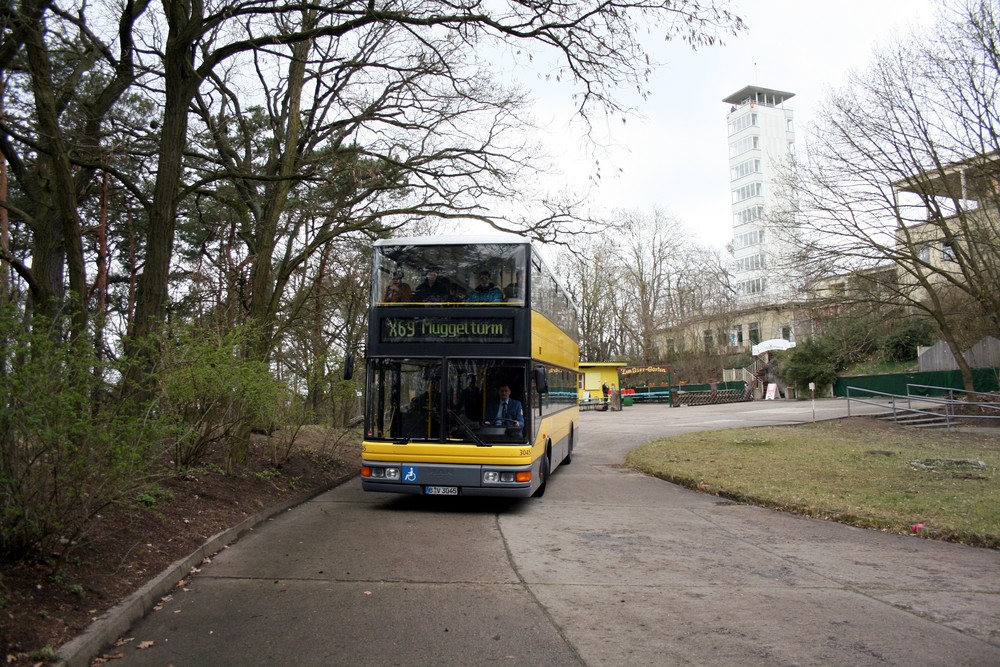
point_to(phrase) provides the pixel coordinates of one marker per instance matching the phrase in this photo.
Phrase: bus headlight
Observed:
(376, 472)
(498, 477)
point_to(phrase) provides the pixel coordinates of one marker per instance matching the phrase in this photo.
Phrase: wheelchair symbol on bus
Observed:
(409, 473)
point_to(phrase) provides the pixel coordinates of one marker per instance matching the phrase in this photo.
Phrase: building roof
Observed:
(766, 96)
(972, 178)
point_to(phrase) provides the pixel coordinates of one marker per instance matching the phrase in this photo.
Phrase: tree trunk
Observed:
(266, 287)
(58, 240)
(180, 84)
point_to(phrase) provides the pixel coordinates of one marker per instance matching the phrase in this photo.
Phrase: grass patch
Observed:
(861, 471)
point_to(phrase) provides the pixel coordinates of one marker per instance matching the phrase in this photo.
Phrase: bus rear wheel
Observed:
(569, 449)
(543, 475)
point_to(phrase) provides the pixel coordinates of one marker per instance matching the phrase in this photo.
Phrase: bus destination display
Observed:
(447, 330)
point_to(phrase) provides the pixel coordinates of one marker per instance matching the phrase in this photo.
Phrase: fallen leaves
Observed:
(164, 600)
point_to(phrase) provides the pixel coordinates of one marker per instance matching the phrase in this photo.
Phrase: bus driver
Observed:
(505, 411)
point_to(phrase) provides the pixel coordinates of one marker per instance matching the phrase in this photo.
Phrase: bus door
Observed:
(405, 399)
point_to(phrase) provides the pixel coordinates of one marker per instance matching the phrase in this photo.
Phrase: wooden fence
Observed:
(712, 397)
(984, 354)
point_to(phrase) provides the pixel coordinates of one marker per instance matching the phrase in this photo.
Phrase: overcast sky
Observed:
(676, 156)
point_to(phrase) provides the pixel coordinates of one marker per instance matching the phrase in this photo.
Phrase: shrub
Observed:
(902, 343)
(216, 393)
(809, 361)
(852, 340)
(71, 444)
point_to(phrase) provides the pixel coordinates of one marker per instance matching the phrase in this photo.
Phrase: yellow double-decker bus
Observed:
(472, 369)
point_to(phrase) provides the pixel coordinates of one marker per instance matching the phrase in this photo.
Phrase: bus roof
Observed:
(471, 239)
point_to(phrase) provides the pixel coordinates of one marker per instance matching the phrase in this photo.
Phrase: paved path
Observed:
(609, 568)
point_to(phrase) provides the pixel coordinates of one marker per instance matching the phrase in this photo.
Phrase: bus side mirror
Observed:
(541, 380)
(349, 366)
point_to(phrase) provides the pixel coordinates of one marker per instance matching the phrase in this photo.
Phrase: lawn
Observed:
(936, 483)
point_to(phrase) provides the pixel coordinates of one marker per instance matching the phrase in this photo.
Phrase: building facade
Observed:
(946, 221)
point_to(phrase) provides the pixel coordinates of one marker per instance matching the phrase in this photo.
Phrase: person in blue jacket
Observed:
(504, 411)
(485, 291)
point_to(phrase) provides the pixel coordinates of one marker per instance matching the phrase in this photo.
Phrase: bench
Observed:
(594, 404)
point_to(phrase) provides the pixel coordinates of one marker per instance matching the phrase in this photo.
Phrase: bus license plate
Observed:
(441, 490)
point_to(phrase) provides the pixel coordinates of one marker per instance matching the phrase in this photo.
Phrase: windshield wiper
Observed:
(468, 429)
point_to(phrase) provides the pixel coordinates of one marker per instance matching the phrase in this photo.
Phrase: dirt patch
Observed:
(42, 607)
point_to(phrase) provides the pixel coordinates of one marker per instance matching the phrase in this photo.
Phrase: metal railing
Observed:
(748, 374)
(951, 392)
(929, 406)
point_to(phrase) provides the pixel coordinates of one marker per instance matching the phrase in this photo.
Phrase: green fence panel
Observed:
(692, 387)
(651, 389)
(984, 379)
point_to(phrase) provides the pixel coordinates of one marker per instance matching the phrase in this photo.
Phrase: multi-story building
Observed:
(761, 140)
(768, 291)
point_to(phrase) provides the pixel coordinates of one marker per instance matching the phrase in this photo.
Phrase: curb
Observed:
(115, 622)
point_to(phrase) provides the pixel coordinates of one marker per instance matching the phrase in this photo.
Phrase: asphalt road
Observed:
(608, 568)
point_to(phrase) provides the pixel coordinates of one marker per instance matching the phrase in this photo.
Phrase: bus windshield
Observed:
(467, 400)
(488, 273)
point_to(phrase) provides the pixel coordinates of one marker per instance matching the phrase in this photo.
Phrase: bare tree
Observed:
(592, 274)
(638, 280)
(331, 306)
(597, 43)
(901, 173)
(343, 145)
(647, 247)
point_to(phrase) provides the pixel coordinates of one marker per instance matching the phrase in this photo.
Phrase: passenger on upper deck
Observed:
(515, 290)
(431, 289)
(485, 291)
(397, 290)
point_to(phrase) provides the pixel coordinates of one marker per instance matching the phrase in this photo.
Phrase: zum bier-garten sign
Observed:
(447, 330)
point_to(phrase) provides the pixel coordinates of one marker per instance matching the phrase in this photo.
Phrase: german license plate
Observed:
(441, 490)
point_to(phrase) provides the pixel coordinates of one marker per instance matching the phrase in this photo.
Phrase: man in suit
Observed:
(505, 411)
